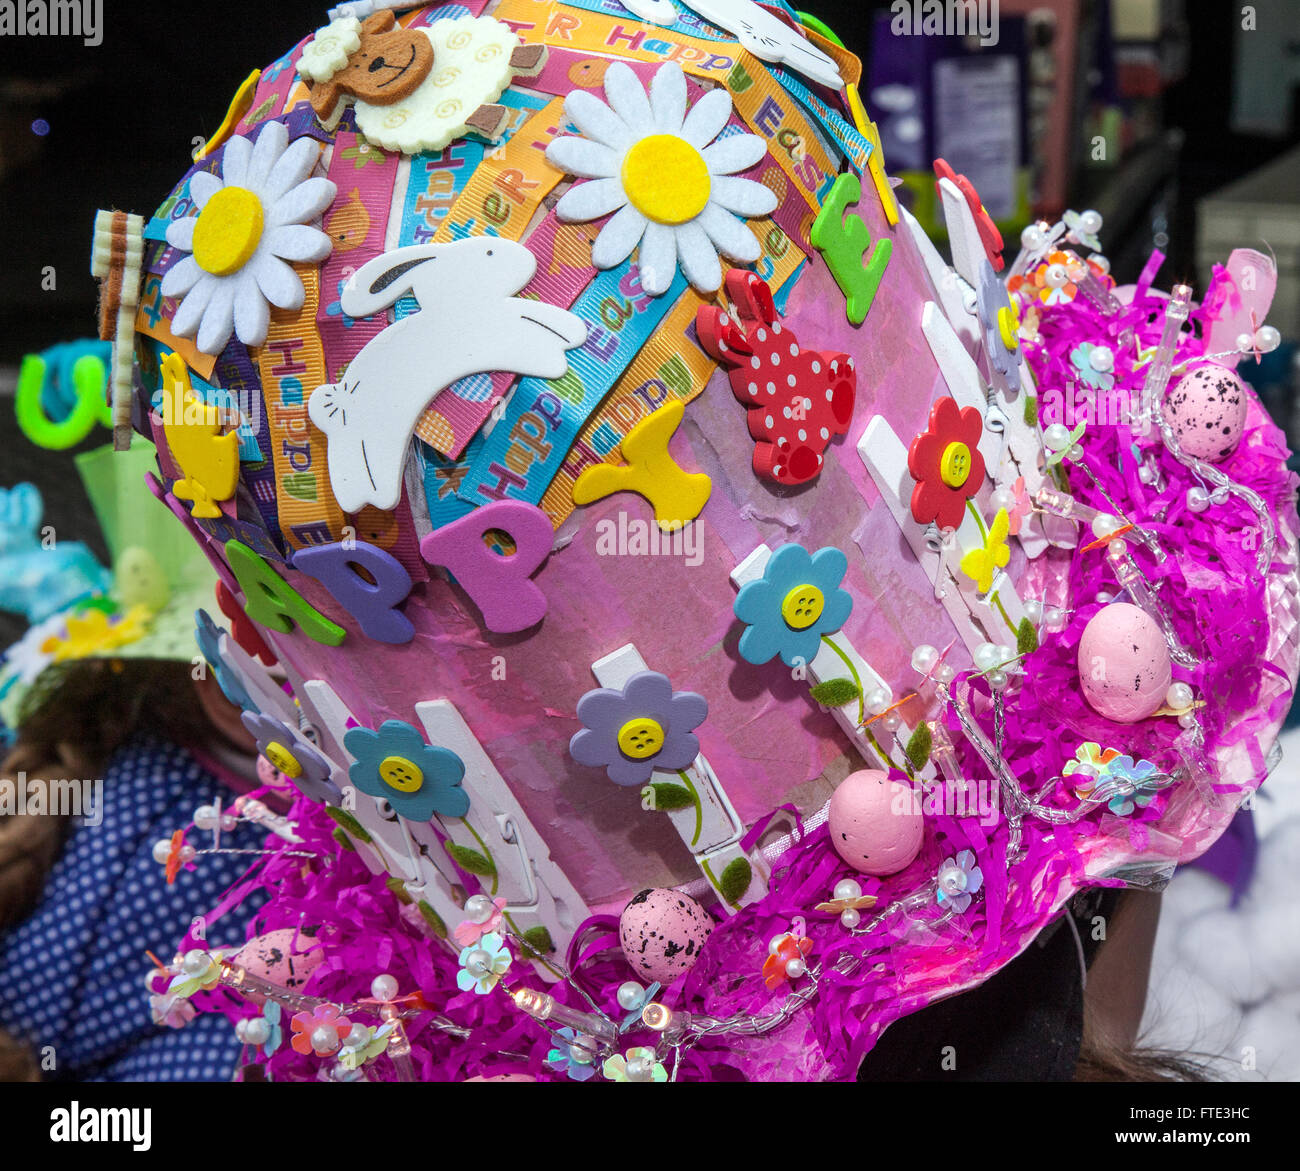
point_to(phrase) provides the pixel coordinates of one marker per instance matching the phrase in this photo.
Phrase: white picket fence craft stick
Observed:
(962, 376)
(956, 297)
(832, 662)
(963, 235)
(977, 619)
(713, 831)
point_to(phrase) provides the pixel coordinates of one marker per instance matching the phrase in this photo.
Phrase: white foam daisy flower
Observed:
(674, 190)
(252, 222)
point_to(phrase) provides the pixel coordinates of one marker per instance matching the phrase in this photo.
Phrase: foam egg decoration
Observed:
(286, 957)
(1207, 410)
(1124, 667)
(662, 933)
(875, 823)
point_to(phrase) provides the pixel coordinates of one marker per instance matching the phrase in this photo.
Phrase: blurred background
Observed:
(1176, 119)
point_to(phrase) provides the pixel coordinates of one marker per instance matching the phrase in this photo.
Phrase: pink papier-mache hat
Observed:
(687, 625)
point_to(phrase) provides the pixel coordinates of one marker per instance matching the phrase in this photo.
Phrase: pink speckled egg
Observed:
(1207, 410)
(875, 823)
(662, 932)
(1124, 666)
(286, 957)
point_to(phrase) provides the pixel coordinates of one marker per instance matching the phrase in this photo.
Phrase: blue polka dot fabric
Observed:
(72, 976)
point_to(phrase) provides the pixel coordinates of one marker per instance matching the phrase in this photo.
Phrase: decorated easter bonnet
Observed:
(142, 608)
(714, 626)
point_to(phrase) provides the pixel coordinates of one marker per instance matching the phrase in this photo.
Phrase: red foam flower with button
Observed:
(990, 237)
(946, 464)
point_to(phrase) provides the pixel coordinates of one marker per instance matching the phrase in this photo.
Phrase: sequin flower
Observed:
(1091, 762)
(290, 754)
(208, 636)
(173, 1011)
(469, 932)
(638, 1065)
(482, 965)
(1021, 506)
(946, 464)
(200, 972)
(1000, 320)
(796, 602)
(1050, 282)
(415, 778)
(575, 1060)
(367, 1047)
(1093, 364)
(1139, 774)
(981, 564)
(632, 731)
(786, 950)
(649, 160)
(252, 218)
(321, 1031)
(273, 1014)
(959, 880)
(645, 996)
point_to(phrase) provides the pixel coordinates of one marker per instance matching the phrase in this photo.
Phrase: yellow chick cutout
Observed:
(208, 459)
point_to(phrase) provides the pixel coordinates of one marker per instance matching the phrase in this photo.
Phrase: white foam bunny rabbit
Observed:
(469, 322)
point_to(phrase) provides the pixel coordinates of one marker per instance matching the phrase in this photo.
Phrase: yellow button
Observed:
(228, 231)
(281, 758)
(954, 467)
(401, 774)
(666, 179)
(1009, 327)
(640, 738)
(802, 607)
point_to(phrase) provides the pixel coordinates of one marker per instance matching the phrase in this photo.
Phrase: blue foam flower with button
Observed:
(208, 635)
(415, 778)
(794, 604)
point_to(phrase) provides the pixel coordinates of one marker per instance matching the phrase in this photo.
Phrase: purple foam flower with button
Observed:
(414, 777)
(288, 752)
(642, 727)
(959, 880)
(1001, 322)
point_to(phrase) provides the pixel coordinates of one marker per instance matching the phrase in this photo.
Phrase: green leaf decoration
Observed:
(735, 879)
(919, 745)
(666, 797)
(536, 942)
(349, 823)
(398, 888)
(836, 692)
(432, 918)
(1031, 410)
(471, 861)
(343, 840)
(1026, 638)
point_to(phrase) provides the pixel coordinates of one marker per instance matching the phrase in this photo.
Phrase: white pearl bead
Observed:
(1179, 696)
(1117, 549)
(1187, 720)
(1198, 499)
(196, 962)
(479, 908)
(1101, 359)
(1032, 238)
(1105, 596)
(892, 721)
(924, 658)
(945, 672)
(205, 817)
(1267, 338)
(324, 1040)
(640, 1069)
(1056, 277)
(1084, 770)
(1245, 343)
(877, 700)
(847, 888)
(187, 854)
(228, 822)
(582, 1050)
(1002, 500)
(478, 962)
(1090, 222)
(1034, 610)
(1075, 453)
(161, 849)
(986, 656)
(795, 968)
(850, 917)
(1100, 262)
(357, 1036)
(1056, 436)
(1005, 653)
(1219, 495)
(630, 995)
(254, 1032)
(774, 944)
(383, 987)
(1052, 616)
(997, 680)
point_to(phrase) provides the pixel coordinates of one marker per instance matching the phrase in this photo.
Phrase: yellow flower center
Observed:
(1009, 327)
(954, 467)
(802, 607)
(397, 772)
(640, 738)
(666, 179)
(228, 231)
(282, 759)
